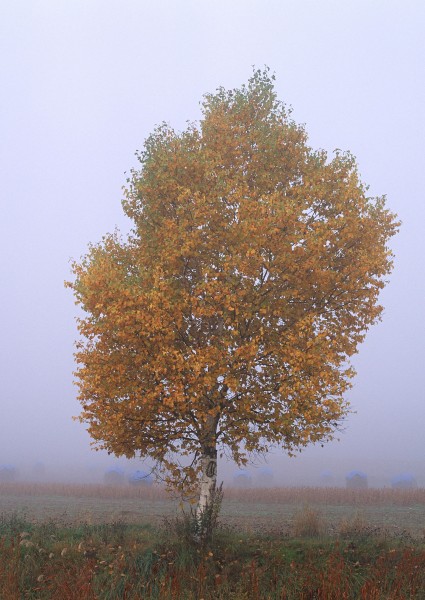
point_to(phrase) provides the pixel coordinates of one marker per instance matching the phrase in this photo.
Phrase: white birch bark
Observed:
(208, 478)
(208, 482)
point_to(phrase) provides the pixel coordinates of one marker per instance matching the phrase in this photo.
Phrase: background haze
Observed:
(82, 85)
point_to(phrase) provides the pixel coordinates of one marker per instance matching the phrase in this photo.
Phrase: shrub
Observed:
(308, 523)
(354, 527)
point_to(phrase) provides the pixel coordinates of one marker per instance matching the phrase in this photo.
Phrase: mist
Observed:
(83, 85)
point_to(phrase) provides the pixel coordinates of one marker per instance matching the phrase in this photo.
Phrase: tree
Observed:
(224, 322)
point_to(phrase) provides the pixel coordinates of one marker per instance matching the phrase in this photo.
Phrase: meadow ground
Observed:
(94, 542)
(248, 509)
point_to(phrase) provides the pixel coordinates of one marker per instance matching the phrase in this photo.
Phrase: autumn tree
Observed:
(225, 321)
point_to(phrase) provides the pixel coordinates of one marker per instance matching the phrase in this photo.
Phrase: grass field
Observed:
(250, 510)
(88, 542)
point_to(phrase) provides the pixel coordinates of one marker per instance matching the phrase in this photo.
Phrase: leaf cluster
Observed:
(229, 315)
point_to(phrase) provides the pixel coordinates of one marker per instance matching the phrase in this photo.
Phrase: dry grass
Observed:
(354, 526)
(328, 496)
(276, 495)
(308, 522)
(29, 490)
(252, 510)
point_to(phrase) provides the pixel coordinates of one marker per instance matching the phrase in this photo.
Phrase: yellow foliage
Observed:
(227, 318)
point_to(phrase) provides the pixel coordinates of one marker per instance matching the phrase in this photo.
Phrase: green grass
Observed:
(117, 560)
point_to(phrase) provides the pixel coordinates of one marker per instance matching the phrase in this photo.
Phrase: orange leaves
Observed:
(251, 276)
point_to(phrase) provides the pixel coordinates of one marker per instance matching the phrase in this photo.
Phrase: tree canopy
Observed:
(225, 321)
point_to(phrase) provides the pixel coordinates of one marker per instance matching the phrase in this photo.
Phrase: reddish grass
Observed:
(256, 569)
(9, 569)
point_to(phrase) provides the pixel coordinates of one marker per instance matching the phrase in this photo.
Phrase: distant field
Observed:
(251, 510)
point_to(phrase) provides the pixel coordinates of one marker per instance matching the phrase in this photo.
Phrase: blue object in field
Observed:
(356, 479)
(140, 478)
(265, 475)
(242, 478)
(7, 473)
(114, 476)
(404, 481)
(353, 474)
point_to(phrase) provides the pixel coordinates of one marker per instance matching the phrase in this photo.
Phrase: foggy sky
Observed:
(83, 83)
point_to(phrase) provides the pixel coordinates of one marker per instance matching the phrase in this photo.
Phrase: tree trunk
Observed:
(206, 510)
(208, 479)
